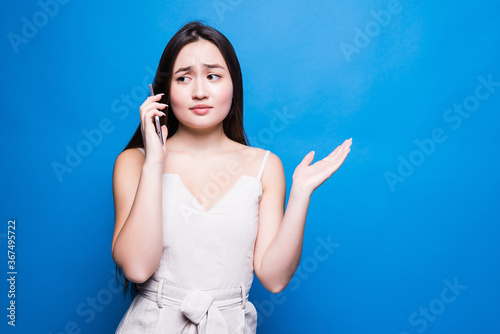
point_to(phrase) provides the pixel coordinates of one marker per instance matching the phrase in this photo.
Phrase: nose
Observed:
(199, 89)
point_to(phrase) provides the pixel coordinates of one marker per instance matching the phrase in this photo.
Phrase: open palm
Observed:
(309, 177)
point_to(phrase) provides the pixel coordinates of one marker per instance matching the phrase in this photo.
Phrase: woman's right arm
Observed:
(138, 236)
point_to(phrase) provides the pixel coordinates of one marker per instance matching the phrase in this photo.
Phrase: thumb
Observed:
(307, 159)
(164, 132)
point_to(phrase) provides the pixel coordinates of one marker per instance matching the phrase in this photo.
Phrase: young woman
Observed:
(197, 214)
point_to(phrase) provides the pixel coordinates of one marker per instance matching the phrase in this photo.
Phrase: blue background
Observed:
(396, 241)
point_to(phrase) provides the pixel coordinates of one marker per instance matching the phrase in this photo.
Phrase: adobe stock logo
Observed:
(454, 117)
(92, 307)
(372, 29)
(309, 265)
(420, 320)
(40, 19)
(121, 107)
(222, 6)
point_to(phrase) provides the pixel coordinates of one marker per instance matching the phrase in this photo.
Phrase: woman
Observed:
(197, 214)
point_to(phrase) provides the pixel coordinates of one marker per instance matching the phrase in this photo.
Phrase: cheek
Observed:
(176, 96)
(226, 94)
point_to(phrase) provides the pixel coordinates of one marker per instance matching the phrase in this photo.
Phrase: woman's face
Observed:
(201, 90)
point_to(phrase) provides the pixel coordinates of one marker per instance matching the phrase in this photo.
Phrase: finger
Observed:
(151, 99)
(146, 114)
(340, 160)
(157, 104)
(334, 153)
(151, 113)
(337, 151)
(148, 118)
(153, 105)
(307, 159)
(155, 97)
(164, 132)
(345, 145)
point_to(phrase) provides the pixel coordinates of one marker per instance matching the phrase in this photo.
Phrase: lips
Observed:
(201, 109)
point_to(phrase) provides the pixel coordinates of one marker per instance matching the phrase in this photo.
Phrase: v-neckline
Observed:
(178, 177)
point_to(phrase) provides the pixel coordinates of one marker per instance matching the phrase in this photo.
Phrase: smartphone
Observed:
(157, 118)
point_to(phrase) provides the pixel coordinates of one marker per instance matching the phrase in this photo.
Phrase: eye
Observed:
(182, 79)
(213, 77)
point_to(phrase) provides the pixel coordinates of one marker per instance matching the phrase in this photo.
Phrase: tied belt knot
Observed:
(202, 309)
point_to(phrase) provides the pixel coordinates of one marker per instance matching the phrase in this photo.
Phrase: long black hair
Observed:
(233, 123)
(192, 32)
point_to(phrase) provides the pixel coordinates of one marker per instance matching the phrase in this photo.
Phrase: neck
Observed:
(199, 141)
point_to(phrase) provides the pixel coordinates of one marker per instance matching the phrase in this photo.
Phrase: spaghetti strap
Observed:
(142, 150)
(263, 164)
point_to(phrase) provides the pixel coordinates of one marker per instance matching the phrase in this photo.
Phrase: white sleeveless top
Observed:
(209, 252)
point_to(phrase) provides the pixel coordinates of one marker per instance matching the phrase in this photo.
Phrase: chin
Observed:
(202, 124)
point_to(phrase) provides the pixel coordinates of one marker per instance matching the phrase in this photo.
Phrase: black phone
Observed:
(157, 118)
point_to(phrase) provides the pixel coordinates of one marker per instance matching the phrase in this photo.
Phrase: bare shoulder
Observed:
(254, 155)
(128, 164)
(273, 173)
(130, 157)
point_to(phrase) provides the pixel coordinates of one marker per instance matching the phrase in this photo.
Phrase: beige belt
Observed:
(200, 307)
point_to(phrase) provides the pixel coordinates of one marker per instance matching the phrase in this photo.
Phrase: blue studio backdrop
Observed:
(403, 239)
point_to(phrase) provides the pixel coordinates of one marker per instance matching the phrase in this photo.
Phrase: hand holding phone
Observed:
(157, 118)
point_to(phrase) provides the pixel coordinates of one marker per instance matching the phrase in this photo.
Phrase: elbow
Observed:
(276, 288)
(272, 283)
(137, 277)
(133, 273)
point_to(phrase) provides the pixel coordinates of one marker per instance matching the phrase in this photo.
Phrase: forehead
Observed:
(199, 52)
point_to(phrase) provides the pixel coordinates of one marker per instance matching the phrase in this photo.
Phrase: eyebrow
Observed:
(188, 68)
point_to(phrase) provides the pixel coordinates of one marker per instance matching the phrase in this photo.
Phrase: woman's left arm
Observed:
(278, 247)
